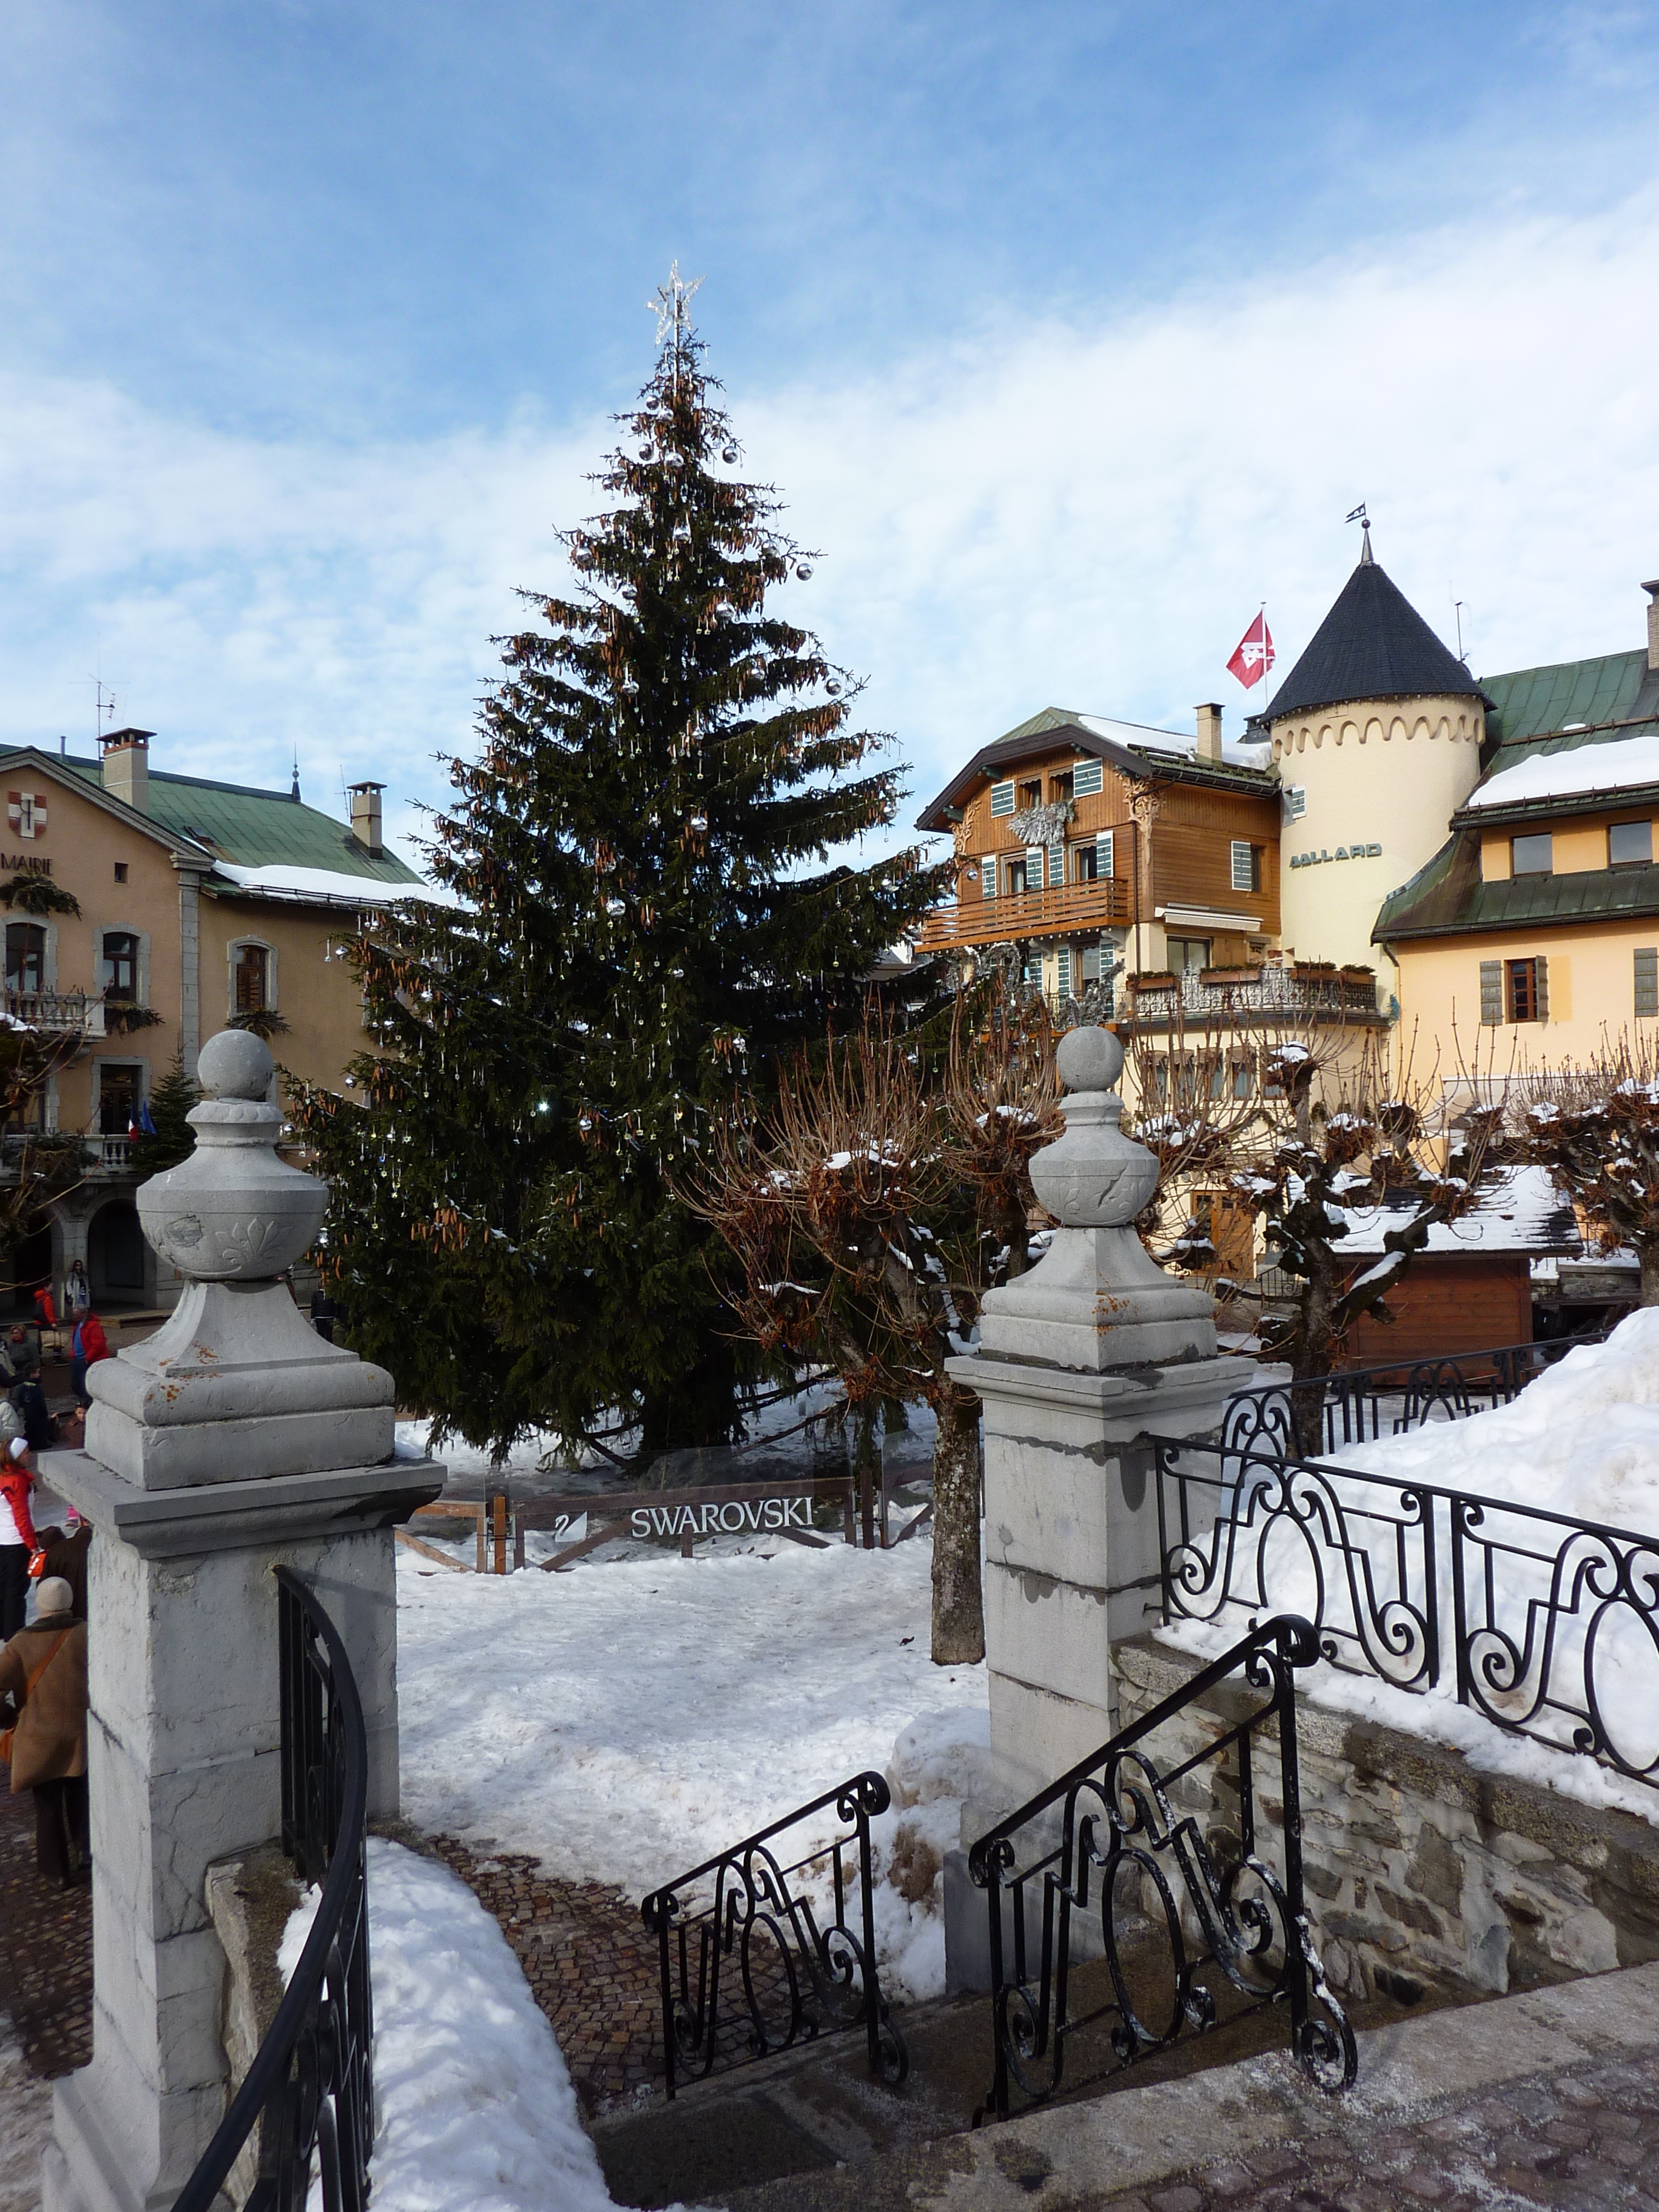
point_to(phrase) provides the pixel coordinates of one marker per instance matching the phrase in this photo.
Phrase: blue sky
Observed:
(1067, 333)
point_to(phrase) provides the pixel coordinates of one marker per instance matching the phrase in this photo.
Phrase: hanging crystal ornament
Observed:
(803, 572)
(729, 457)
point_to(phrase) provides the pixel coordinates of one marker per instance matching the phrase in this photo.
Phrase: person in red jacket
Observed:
(87, 1348)
(16, 1534)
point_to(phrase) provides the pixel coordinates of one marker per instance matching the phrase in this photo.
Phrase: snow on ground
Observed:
(1580, 1440)
(25, 2103)
(476, 2106)
(624, 1722)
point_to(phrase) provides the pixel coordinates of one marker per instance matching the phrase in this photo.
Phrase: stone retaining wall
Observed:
(1419, 1867)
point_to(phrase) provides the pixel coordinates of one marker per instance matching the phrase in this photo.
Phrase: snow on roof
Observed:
(1519, 1211)
(1235, 751)
(311, 886)
(1619, 764)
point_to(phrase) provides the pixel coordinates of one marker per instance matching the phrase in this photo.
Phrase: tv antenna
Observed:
(1457, 609)
(104, 711)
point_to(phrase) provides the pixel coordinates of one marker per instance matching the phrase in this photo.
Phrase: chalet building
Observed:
(203, 904)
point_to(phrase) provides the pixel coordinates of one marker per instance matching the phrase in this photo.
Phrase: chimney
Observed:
(1652, 591)
(1209, 734)
(366, 816)
(126, 766)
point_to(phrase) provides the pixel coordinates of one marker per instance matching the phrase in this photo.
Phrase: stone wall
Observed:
(1419, 1867)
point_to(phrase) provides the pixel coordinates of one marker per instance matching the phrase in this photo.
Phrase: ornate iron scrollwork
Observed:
(797, 1941)
(1126, 1855)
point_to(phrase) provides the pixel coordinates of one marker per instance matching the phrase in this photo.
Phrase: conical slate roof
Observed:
(1372, 645)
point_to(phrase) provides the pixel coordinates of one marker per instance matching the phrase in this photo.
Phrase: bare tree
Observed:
(870, 1213)
(1301, 1127)
(1596, 1128)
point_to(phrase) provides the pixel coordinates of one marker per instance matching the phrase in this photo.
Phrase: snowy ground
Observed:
(624, 1722)
(1582, 1440)
(25, 2128)
(476, 2105)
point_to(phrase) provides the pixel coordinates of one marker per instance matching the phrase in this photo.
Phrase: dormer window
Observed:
(1630, 844)
(1532, 856)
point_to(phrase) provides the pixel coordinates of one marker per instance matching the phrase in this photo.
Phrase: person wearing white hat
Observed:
(16, 1526)
(43, 1729)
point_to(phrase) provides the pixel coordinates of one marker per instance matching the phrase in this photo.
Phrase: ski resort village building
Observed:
(201, 905)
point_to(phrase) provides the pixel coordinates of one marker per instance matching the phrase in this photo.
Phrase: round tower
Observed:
(1376, 735)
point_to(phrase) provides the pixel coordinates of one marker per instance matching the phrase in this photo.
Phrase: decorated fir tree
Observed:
(646, 922)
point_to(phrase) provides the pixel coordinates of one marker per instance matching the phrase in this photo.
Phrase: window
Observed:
(1240, 1078)
(1085, 859)
(987, 875)
(1525, 990)
(1189, 954)
(1031, 794)
(1247, 866)
(1647, 981)
(253, 979)
(1002, 799)
(1060, 787)
(1630, 844)
(120, 1090)
(1532, 856)
(1014, 869)
(120, 872)
(1087, 779)
(1090, 963)
(26, 956)
(1296, 801)
(120, 975)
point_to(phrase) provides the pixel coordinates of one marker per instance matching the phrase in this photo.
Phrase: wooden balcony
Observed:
(1067, 910)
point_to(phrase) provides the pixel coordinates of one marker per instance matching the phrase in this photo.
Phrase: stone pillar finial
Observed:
(1096, 1299)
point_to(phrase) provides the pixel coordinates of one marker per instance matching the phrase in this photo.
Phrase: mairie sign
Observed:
(752, 1513)
(1342, 853)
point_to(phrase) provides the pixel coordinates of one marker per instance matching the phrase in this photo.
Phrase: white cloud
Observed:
(1026, 516)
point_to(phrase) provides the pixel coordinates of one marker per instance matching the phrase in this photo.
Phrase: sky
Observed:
(1068, 335)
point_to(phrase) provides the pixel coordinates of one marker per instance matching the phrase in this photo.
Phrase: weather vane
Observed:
(670, 303)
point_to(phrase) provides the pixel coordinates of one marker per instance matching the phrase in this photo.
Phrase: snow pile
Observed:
(1616, 765)
(477, 2112)
(624, 1722)
(1581, 1441)
(941, 1759)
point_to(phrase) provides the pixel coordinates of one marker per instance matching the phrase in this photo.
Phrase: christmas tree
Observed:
(647, 921)
(174, 1139)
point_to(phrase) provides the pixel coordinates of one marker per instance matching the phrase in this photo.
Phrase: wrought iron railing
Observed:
(310, 2089)
(1362, 1403)
(1272, 994)
(756, 1955)
(1124, 1854)
(1545, 1625)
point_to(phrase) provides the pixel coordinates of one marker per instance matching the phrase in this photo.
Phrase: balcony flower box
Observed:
(1222, 978)
(1359, 975)
(1155, 979)
(1314, 970)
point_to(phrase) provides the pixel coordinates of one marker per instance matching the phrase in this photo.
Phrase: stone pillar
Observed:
(233, 1441)
(1077, 1358)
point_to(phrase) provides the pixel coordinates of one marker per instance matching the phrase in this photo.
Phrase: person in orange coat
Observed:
(88, 1347)
(17, 1525)
(43, 1680)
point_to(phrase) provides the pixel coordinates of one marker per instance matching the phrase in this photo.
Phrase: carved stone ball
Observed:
(235, 1064)
(1090, 1059)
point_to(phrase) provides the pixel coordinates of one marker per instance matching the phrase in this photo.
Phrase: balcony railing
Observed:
(1266, 991)
(58, 1012)
(1057, 913)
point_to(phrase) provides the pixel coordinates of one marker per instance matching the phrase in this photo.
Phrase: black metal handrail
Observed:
(1251, 1920)
(1534, 1602)
(1357, 1405)
(800, 1980)
(311, 2080)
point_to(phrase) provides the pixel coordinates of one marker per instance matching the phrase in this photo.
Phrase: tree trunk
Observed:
(1649, 1255)
(958, 1605)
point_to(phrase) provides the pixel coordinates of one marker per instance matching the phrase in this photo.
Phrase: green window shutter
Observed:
(1056, 865)
(1540, 969)
(1647, 981)
(1063, 972)
(1241, 870)
(1087, 779)
(987, 875)
(1034, 867)
(1104, 853)
(1492, 992)
(1002, 799)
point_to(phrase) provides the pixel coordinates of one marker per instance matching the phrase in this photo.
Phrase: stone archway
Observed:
(115, 1254)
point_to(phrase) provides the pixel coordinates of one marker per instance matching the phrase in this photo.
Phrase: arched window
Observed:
(253, 979)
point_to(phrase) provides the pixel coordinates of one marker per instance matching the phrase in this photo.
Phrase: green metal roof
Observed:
(1446, 897)
(1535, 703)
(255, 829)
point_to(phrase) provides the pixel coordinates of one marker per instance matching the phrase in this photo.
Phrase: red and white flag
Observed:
(1253, 656)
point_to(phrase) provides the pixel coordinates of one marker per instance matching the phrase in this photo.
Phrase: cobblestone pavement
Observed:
(46, 1950)
(589, 1963)
(1588, 2137)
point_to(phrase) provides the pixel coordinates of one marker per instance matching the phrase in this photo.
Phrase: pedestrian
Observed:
(16, 1526)
(78, 1291)
(88, 1347)
(39, 1430)
(63, 1552)
(42, 1673)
